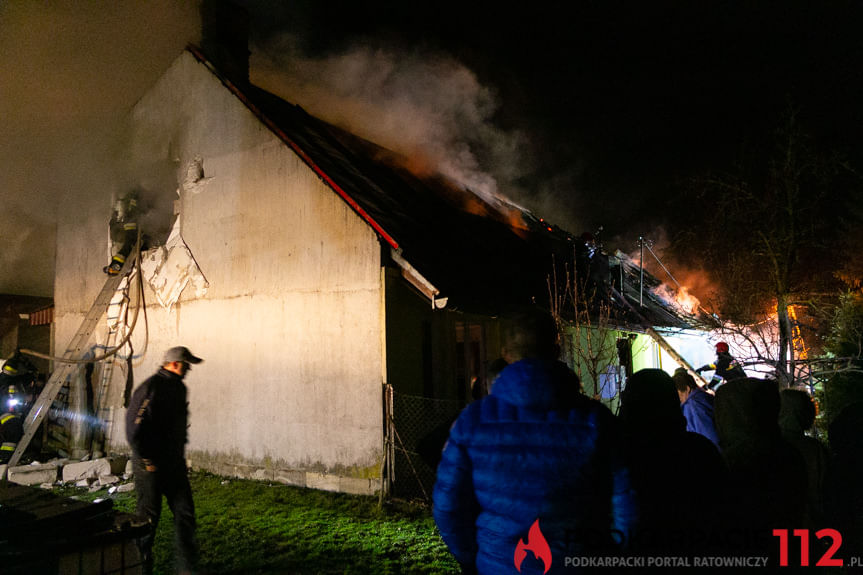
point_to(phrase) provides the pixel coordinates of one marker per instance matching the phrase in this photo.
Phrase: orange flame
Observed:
(681, 298)
(686, 300)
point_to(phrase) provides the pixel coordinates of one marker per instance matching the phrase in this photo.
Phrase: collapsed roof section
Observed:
(480, 257)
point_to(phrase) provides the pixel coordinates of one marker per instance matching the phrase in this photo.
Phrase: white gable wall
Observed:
(290, 326)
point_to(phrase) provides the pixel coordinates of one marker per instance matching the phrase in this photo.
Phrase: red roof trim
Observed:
(299, 151)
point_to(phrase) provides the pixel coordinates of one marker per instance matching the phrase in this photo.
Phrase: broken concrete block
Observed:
(126, 487)
(128, 472)
(85, 469)
(33, 474)
(94, 488)
(84, 482)
(46, 485)
(108, 479)
(119, 464)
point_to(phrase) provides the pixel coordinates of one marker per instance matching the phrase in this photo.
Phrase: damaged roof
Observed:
(482, 255)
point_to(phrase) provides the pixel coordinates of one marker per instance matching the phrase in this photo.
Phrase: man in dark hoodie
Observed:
(767, 475)
(156, 429)
(532, 473)
(796, 417)
(669, 466)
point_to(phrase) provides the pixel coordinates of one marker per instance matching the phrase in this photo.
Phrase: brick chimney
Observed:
(225, 38)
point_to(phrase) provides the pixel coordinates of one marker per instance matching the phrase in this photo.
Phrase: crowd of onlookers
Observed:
(536, 472)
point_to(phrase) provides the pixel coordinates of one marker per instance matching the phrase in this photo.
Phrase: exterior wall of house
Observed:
(290, 327)
(412, 328)
(426, 348)
(593, 351)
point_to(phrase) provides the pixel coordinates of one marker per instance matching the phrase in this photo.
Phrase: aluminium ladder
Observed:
(75, 351)
(101, 400)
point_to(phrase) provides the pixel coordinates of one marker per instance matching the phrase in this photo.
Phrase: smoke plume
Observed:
(69, 73)
(427, 107)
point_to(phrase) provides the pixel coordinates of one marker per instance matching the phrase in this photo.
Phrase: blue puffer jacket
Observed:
(535, 449)
(698, 411)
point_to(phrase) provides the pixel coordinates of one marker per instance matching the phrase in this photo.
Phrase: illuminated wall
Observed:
(290, 327)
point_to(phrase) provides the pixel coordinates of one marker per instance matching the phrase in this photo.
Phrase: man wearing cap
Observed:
(156, 424)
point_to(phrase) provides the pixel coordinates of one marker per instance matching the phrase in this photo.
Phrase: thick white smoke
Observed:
(69, 72)
(428, 107)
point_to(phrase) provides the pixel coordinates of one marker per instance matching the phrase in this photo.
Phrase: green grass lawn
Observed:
(256, 527)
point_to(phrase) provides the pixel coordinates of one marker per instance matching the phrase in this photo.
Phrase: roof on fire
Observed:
(484, 258)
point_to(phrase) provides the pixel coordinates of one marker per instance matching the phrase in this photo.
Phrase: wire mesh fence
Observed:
(418, 428)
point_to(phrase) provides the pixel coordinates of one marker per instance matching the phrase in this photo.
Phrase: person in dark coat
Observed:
(768, 481)
(533, 472)
(845, 497)
(669, 467)
(696, 404)
(156, 429)
(725, 368)
(796, 417)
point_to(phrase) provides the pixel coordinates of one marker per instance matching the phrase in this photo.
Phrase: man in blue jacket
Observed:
(156, 429)
(531, 475)
(696, 404)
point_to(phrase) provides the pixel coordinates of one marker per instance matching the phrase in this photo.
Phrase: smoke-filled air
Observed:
(428, 108)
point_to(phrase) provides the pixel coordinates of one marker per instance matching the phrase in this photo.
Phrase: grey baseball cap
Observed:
(180, 353)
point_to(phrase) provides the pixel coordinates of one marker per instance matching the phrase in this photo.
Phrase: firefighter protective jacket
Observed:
(11, 432)
(725, 367)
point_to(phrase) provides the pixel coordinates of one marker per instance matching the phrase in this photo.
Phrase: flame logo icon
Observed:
(535, 542)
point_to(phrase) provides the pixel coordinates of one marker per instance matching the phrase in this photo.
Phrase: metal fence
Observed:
(417, 428)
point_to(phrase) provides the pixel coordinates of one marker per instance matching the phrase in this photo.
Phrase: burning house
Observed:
(317, 276)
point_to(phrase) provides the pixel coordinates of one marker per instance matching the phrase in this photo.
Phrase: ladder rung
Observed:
(58, 378)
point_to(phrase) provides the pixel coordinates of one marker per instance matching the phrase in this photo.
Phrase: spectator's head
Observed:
(530, 334)
(684, 383)
(650, 405)
(746, 410)
(179, 360)
(796, 412)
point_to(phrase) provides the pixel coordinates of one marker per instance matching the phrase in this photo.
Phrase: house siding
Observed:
(290, 388)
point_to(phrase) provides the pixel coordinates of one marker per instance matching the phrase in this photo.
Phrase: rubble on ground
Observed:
(113, 472)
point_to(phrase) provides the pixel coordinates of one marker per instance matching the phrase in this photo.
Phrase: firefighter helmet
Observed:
(721, 347)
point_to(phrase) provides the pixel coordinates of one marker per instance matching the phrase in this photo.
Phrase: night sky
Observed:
(589, 113)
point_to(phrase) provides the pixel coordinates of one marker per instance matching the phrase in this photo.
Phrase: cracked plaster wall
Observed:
(290, 323)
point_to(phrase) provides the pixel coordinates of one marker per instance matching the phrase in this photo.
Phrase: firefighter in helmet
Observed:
(725, 368)
(124, 231)
(17, 377)
(11, 423)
